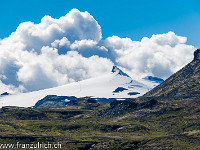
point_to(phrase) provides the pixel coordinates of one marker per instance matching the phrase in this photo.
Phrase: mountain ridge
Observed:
(178, 90)
(115, 84)
(184, 83)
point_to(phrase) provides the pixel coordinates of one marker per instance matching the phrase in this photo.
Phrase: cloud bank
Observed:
(160, 56)
(60, 51)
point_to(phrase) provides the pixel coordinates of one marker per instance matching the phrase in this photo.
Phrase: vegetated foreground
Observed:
(139, 124)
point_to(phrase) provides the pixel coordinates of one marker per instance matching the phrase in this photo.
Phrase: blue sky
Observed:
(124, 18)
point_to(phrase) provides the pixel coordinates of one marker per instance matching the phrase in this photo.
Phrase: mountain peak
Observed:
(115, 69)
(197, 54)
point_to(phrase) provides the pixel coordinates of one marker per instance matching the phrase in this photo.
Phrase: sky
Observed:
(48, 44)
(125, 18)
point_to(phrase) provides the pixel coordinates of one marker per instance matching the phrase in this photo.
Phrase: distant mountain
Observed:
(114, 85)
(184, 83)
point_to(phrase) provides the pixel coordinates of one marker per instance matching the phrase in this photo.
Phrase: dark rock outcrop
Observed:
(121, 107)
(51, 101)
(197, 54)
(5, 93)
(83, 103)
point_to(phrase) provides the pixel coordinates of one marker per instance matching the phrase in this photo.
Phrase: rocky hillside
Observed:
(182, 86)
(184, 83)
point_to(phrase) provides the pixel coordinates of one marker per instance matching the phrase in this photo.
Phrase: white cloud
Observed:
(50, 69)
(38, 56)
(161, 55)
(168, 39)
(88, 48)
(75, 25)
(64, 42)
(10, 88)
(60, 51)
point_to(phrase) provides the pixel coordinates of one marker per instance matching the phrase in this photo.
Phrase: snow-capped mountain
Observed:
(116, 84)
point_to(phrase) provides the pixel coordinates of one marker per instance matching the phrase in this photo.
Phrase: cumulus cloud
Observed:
(75, 25)
(10, 88)
(60, 51)
(89, 48)
(51, 53)
(161, 55)
(51, 69)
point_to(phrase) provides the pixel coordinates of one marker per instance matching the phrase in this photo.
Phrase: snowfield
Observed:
(116, 84)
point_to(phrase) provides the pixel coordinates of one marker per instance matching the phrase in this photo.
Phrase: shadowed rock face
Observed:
(197, 54)
(184, 83)
(115, 69)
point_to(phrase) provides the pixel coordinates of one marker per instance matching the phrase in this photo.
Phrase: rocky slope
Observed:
(180, 87)
(184, 83)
